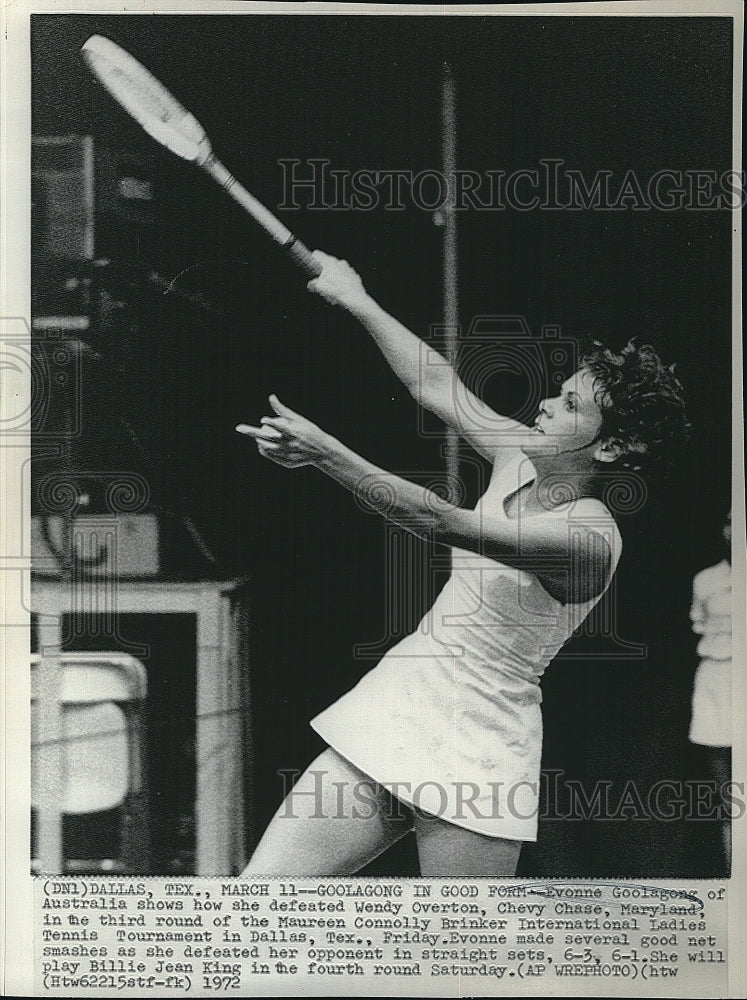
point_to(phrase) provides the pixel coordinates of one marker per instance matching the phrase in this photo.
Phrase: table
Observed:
(222, 683)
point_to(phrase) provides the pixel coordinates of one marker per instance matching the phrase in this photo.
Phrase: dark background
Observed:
(364, 92)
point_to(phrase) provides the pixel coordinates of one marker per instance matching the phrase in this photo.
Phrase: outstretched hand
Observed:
(287, 438)
(338, 282)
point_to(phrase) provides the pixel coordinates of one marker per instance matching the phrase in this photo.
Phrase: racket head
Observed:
(146, 99)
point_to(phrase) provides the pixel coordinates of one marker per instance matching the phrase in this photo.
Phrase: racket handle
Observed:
(300, 254)
(261, 215)
(293, 247)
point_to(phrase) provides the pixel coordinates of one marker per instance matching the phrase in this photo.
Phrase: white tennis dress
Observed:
(449, 720)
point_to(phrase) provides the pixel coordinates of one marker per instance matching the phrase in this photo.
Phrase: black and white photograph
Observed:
(382, 502)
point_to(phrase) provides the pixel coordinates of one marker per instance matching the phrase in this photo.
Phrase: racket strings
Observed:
(145, 98)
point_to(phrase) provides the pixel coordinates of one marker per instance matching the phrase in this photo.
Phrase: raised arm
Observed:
(573, 566)
(431, 381)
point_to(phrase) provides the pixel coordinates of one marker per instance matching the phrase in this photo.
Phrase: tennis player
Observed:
(444, 735)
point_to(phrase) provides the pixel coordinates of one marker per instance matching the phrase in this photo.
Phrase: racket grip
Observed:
(300, 254)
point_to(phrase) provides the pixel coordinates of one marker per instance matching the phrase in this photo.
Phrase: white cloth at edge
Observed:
(710, 614)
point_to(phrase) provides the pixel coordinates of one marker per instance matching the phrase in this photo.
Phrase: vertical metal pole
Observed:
(450, 262)
(89, 198)
(50, 752)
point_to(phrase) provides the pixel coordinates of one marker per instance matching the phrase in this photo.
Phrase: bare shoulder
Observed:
(592, 510)
(594, 537)
(592, 515)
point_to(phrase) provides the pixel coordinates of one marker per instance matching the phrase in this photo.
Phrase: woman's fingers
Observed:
(272, 424)
(280, 408)
(250, 431)
(263, 433)
(267, 438)
(271, 442)
(322, 257)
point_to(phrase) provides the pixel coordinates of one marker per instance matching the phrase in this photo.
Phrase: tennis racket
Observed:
(160, 114)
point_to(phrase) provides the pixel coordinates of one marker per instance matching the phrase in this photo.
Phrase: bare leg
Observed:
(334, 821)
(446, 849)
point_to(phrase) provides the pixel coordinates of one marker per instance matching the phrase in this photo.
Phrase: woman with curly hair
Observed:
(444, 735)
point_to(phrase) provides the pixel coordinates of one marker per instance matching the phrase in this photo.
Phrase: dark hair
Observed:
(642, 404)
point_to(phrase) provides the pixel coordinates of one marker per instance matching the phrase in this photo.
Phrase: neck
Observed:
(560, 481)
